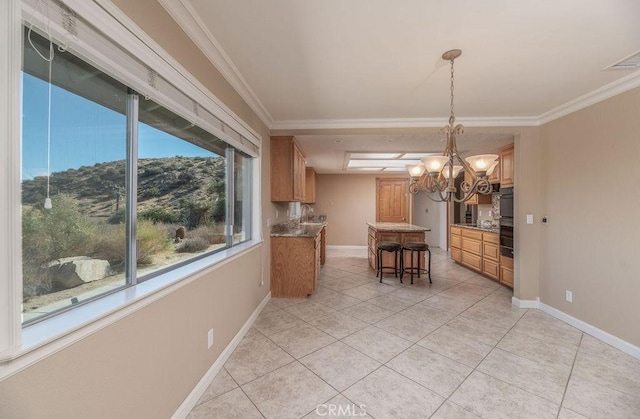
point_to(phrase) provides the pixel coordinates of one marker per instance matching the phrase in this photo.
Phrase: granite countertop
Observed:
(297, 230)
(477, 227)
(397, 227)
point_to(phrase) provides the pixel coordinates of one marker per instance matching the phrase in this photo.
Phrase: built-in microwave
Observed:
(506, 202)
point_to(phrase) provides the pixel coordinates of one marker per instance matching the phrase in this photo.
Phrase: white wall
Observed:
(433, 215)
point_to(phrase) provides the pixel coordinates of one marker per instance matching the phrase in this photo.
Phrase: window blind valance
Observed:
(97, 37)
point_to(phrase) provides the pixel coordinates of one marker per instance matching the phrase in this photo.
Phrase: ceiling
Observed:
(377, 63)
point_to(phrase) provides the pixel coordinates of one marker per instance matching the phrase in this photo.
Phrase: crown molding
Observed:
(605, 92)
(403, 123)
(183, 14)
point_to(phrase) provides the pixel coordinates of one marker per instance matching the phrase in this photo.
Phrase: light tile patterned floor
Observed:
(454, 349)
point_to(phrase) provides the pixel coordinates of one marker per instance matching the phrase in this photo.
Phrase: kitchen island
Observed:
(397, 232)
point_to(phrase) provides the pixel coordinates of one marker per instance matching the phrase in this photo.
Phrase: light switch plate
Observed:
(529, 218)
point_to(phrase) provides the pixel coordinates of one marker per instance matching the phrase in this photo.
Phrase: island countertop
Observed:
(397, 227)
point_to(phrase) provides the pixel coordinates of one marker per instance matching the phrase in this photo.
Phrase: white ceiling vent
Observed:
(628, 63)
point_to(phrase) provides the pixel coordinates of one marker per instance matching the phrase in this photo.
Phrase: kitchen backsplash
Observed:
(489, 214)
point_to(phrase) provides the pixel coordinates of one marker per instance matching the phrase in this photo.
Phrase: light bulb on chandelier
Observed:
(436, 174)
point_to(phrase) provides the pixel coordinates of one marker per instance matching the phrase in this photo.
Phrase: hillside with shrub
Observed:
(163, 184)
(88, 212)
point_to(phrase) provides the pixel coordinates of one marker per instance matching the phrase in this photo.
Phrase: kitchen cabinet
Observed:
(477, 198)
(472, 249)
(288, 170)
(491, 255)
(506, 271)
(494, 177)
(479, 250)
(456, 244)
(506, 166)
(295, 264)
(310, 186)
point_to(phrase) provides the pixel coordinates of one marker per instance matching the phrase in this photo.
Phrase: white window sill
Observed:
(51, 335)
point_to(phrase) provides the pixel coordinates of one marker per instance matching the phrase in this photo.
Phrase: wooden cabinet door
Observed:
(392, 197)
(299, 173)
(494, 177)
(310, 186)
(506, 167)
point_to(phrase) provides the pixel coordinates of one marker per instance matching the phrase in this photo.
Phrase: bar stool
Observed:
(415, 247)
(388, 246)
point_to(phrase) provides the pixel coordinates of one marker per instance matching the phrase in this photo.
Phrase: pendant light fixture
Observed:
(436, 174)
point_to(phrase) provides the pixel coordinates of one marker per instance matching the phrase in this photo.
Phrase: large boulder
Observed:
(70, 272)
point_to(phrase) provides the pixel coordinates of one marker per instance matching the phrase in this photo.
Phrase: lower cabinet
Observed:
(506, 271)
(295, 265)
(480, 250)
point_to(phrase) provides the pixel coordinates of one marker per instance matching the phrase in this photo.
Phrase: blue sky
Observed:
(83, 133)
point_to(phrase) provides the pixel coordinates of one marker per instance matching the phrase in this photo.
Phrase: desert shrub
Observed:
(150, 171)
(152, 239)
(192, 245)
(152, 192)
(211, 234)
(117, 217)
(158, 215)
(112, 246)
(195, 212)
(47, 235)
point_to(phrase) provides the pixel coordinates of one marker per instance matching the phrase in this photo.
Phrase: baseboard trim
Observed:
(192, 399)
(525, 303)
(607, 338)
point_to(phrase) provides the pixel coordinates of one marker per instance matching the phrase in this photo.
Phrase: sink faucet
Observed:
(306, 209)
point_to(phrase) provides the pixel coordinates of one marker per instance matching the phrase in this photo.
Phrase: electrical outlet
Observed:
(261, 283)
(268, 222)
(529, 218)
(210, 339)
(569, 296)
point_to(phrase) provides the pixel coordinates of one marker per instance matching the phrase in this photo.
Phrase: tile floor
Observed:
(453, 349)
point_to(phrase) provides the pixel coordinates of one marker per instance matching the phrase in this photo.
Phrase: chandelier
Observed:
(436, 175)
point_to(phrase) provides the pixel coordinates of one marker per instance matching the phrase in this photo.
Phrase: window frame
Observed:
(22, 346)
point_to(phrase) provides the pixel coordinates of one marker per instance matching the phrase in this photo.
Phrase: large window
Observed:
(116, 188)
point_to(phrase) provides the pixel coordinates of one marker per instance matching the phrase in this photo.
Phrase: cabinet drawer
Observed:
(506, 262)
(491, 269)
(456, 254)
(491, 238)
(456, 241)
(471, 245)
(413, 238)
(491, 252)
(389, 237)
(472, 234)
(472, 261)
(456, 230)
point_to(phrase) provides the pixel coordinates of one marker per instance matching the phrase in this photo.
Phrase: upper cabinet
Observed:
(310, 186)
(494, 177)
(506, 167)
(287, 170)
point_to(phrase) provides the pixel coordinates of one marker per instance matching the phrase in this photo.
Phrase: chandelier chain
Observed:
(452, 116)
